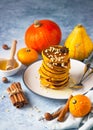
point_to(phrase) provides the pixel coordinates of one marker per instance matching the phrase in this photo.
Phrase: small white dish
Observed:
(12, 71)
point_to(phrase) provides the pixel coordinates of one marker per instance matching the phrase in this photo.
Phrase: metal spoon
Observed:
(80, 85)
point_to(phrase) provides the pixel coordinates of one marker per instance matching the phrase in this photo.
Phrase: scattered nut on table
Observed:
(5, 46)
(4, 79)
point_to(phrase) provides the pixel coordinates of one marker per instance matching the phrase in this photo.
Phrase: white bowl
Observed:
(12, 71)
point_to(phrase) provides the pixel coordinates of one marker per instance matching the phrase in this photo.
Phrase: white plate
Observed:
(31, 80)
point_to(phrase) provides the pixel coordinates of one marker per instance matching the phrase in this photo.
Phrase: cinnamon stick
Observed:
(11, 97)
(22, 96)
(21, 99)
(14, 95)
(18, 95)
(64, 110)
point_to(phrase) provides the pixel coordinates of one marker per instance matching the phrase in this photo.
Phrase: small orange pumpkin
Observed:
(80, 105)
(42, 34)
(27, 55)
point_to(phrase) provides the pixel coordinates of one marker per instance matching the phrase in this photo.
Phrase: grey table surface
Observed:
(15, 17)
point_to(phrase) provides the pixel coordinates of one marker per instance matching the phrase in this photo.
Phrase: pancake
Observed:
(54, 70)
(44, 73)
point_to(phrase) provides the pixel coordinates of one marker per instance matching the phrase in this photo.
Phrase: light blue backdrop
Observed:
(15, 17)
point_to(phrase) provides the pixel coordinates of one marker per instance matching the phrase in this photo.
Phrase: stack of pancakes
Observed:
(54, 71)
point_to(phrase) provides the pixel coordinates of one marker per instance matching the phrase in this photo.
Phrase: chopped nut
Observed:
(2, 97)
(4, 80)
(5, 46)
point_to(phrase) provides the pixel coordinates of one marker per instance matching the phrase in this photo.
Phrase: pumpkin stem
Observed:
(37, 23)
(28, 50)
(74, 101)
(80, 25)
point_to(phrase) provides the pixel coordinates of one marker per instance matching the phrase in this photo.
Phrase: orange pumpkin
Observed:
(80, 105)
(26, 56)
(42, 34)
